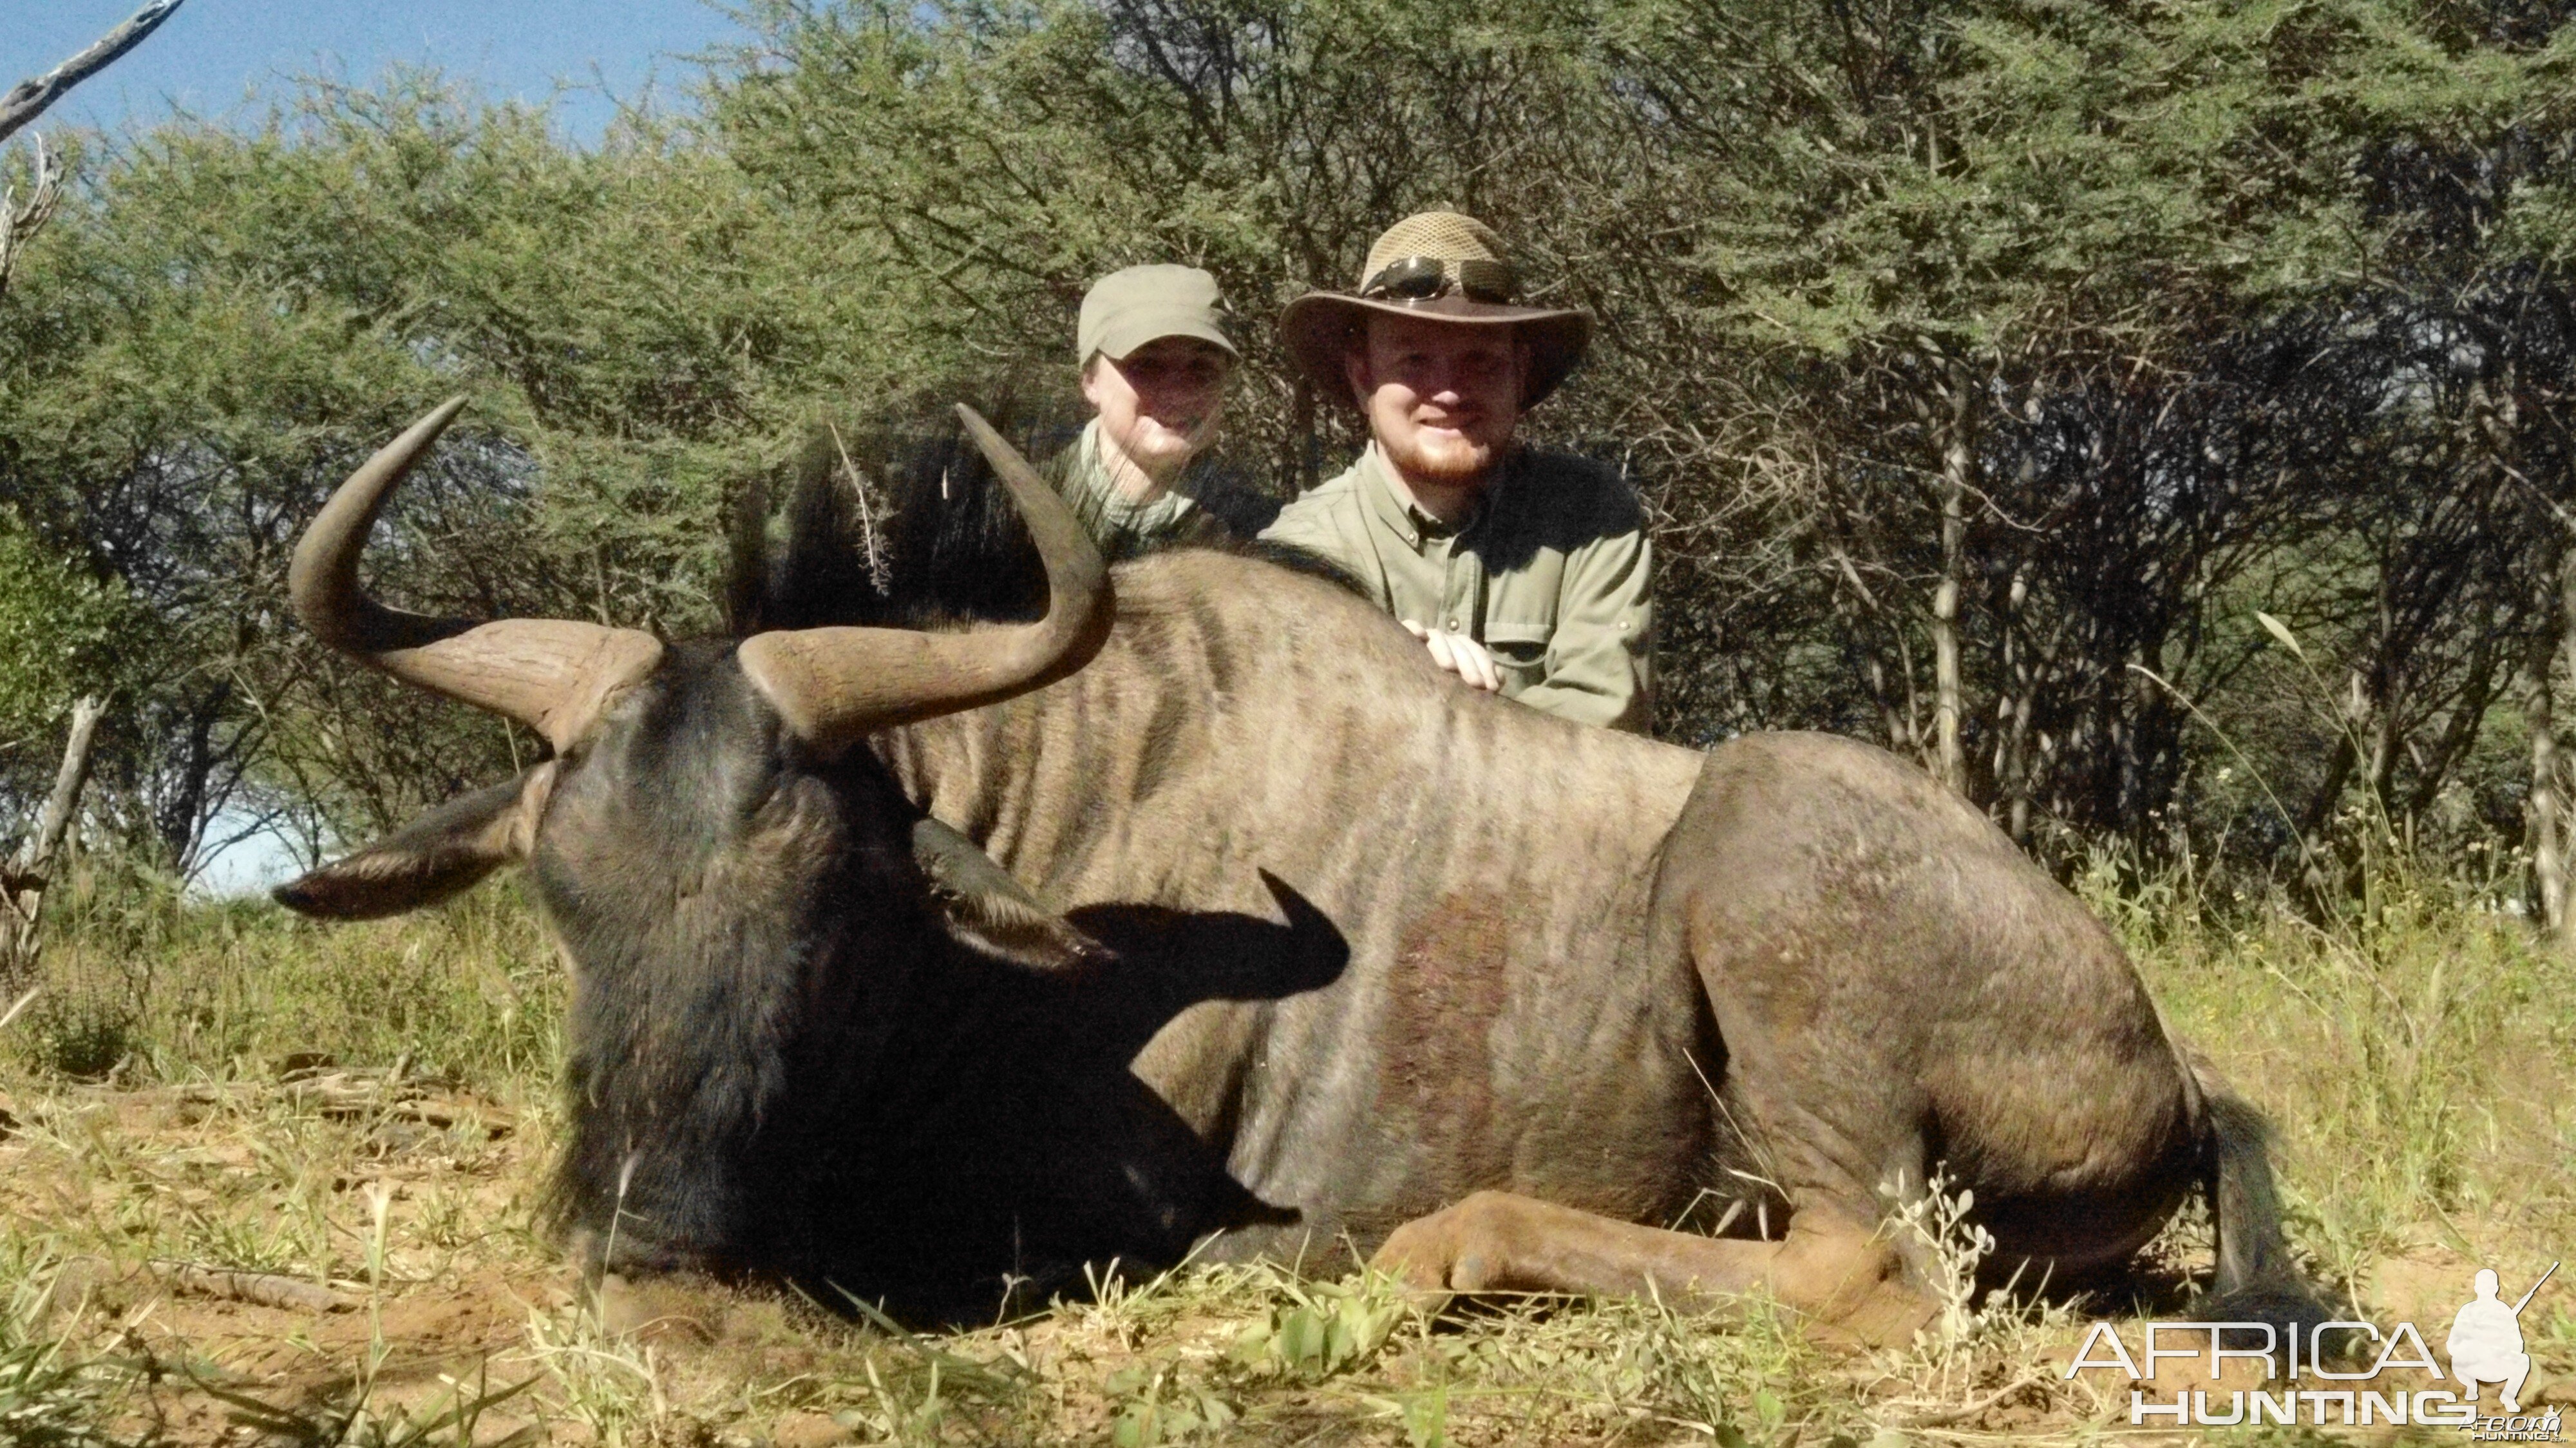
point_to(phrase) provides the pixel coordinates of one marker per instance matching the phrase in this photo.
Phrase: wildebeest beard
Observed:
(797, 1068)
(800, 1071)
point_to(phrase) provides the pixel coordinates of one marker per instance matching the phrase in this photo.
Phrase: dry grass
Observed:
(296, 1209)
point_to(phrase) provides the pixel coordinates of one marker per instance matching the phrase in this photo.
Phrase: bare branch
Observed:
(17, 222)
(28, 98)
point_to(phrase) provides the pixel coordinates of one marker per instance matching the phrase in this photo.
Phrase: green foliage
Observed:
(51, 1394)
(1156, 1409)
(62, 634)
(2389, 1044)
(2203, 307)
(1324, 1328)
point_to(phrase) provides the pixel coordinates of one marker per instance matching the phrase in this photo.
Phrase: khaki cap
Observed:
(1127, 309)
(1442, 265)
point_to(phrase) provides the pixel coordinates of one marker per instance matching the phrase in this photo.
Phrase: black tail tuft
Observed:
(2256, 1279)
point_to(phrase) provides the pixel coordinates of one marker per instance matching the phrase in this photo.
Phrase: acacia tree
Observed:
(62, 623)
(230, 321)
(2017, 268)
(1987, 367)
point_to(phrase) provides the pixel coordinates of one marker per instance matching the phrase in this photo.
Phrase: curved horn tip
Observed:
(984, 433)
(437, 418)
(425, 429)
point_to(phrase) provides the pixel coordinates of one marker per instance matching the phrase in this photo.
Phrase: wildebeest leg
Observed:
(1829, 1269)
(1900, 992)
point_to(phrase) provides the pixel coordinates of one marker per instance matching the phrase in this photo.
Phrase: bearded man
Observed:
(1524, 571)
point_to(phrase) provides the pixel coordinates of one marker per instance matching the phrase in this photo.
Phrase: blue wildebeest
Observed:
(1215, 916)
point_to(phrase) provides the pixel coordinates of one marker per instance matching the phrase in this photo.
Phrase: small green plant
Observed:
(51, 1395)
(82, 1040)
(612, 1387)
(1425, 1416)
(1940, 1228)
(1323, 1328)
(1158, 1404)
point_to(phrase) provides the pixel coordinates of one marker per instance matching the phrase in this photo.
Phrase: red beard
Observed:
(1449, 460)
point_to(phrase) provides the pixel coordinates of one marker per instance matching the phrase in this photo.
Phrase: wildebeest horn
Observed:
(834, 685)
(549, 674)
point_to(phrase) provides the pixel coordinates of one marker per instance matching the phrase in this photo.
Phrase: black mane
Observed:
(930, 538)
(893, 525)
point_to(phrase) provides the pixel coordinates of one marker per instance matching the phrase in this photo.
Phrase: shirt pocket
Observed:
(1520, 652)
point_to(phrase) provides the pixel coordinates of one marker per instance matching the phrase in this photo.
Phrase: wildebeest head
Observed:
(740, 891)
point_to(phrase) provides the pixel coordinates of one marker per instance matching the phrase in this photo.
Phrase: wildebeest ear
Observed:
(433, 857)
(988, 909)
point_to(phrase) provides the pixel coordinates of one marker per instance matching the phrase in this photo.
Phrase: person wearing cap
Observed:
(1524, 571)
(1155, 366)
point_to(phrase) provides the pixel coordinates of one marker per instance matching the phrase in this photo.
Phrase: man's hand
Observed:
(1460, 655)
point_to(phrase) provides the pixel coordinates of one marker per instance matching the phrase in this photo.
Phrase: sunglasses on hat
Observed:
(1421, 278)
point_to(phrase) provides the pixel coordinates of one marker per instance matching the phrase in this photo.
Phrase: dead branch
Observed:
(369, 1095)
(1966, 1411)
(27, 873)
(19, 222)
(28, 98)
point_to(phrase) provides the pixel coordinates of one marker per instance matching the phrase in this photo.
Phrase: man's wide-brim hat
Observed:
(1439, 266)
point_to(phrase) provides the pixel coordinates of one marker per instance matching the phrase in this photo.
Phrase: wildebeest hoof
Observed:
(1459, 1249)
(650, 1311)
(1851, 1287)
(1420, 1258)
(1890, 1315)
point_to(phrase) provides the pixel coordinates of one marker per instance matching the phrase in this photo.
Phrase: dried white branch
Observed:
(28, 98)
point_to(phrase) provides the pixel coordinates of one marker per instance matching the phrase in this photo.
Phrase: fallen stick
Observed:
(1977, 1408)
(261, 1289)
(344, 1094)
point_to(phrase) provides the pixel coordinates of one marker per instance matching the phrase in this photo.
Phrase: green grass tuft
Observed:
(154, 986)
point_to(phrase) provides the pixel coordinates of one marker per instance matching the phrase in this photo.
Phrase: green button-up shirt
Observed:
(1550, 575)
(1201, 507)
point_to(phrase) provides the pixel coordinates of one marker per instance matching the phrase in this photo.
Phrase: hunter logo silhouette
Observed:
(2486, 1341)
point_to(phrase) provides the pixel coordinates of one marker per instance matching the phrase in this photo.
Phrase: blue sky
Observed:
(213, 52)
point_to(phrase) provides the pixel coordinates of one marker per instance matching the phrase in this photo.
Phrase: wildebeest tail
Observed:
(2256, 1279)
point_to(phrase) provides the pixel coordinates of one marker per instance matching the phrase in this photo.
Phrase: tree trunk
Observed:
(1958, 458)
(2315, 848)
(2542, 812)
(2012, 712)
(24, 895)
(2562, 923)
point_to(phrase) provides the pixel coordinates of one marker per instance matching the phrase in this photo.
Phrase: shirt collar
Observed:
(1107, 502)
